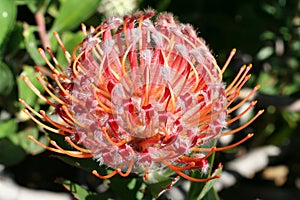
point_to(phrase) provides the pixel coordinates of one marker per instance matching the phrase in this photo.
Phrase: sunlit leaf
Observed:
(72, 13)
(34, 5)
(290, 89)
(268, 82)
(8, 11)
(31, 44)
(271, 9)
(8, 127)
(21, 139)
(24, 91)
(268, 35)
(293, 62)
(291, 118)
(196, 188)
(265, 53)
(208, 187)
(296, 46)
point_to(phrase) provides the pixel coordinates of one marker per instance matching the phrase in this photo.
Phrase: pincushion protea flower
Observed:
(140, 96)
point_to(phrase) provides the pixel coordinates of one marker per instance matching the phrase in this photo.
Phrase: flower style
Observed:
(140, 96)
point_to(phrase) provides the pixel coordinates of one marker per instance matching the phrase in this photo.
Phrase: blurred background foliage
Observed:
(265, 32)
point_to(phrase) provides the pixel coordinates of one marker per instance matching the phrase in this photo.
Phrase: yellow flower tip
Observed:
(53, 143)
(42, 112)
(94, 172)
(21, 101)
(24, 77)
(254, 103)
(31, 137)
(41, 51)
(83, 28)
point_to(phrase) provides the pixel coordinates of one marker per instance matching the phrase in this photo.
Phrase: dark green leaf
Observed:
(157, 189)
(10, 153)
(16, 39)
(6, 79)
(121, 187)
(86, 164)
(80, 192)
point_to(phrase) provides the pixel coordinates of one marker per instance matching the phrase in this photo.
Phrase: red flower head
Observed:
(141, 96)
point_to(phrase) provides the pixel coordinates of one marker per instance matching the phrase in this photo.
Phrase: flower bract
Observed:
(140, 95)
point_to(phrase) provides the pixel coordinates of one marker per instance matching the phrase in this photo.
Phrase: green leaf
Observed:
(24, 91)
(8, 11)
(132, 191)
(72, 13)
(268, 81)
(117, 183)
(8, 127)
(37, 5)
(157, 189)
(268, 35)
(6, 79)
(200, 190)
(265, 53)
(16, 40)
(197, 188)
(31, 44)
(211, 195)
(86, 164)
(21, 139)
(208, 187)
(80, 192)
(10, 153)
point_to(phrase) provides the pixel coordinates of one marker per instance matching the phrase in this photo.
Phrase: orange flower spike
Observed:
(143, 99)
